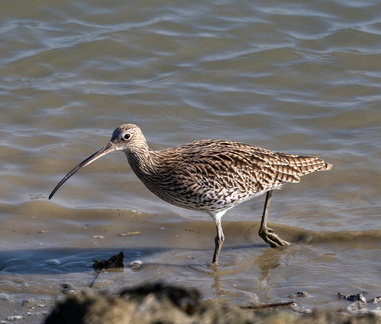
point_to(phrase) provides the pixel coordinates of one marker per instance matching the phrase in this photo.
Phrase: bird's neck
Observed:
(141, 161)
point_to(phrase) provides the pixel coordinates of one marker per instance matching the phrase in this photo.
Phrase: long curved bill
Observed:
(110, 147)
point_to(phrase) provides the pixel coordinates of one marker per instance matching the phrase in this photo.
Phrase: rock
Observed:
(162, 303)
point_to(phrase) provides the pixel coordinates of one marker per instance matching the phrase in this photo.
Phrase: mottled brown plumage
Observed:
(211, 176)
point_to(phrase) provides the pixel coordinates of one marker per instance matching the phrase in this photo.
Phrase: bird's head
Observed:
(127, 138)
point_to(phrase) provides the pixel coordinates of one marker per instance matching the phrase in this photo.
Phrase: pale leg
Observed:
(218, 241)
(220, 237)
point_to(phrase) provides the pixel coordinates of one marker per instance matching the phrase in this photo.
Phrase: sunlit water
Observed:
(299, 77)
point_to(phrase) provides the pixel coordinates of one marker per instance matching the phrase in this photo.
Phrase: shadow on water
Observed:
(65, 260)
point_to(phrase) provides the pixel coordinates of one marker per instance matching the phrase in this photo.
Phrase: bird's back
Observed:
(213, 175)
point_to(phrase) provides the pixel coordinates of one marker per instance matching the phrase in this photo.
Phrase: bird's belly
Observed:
(205, 200)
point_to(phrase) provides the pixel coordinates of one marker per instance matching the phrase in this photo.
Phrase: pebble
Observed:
(136, 264)
(14, 318)
(299, 294)
(53, 262)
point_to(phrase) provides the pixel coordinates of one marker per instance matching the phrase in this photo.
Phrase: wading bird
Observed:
(209, 176)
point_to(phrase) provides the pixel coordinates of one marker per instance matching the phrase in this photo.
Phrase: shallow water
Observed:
(290, 76)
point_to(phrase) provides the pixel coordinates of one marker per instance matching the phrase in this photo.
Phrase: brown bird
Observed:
(210, 176)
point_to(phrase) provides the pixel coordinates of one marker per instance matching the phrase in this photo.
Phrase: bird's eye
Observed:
(126, 136)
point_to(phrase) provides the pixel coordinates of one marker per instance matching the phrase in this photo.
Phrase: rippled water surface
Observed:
(293, 76)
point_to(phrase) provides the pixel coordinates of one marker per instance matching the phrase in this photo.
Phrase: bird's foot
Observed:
(271, 238)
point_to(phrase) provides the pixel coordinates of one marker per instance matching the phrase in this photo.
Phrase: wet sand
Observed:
(178, 250)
